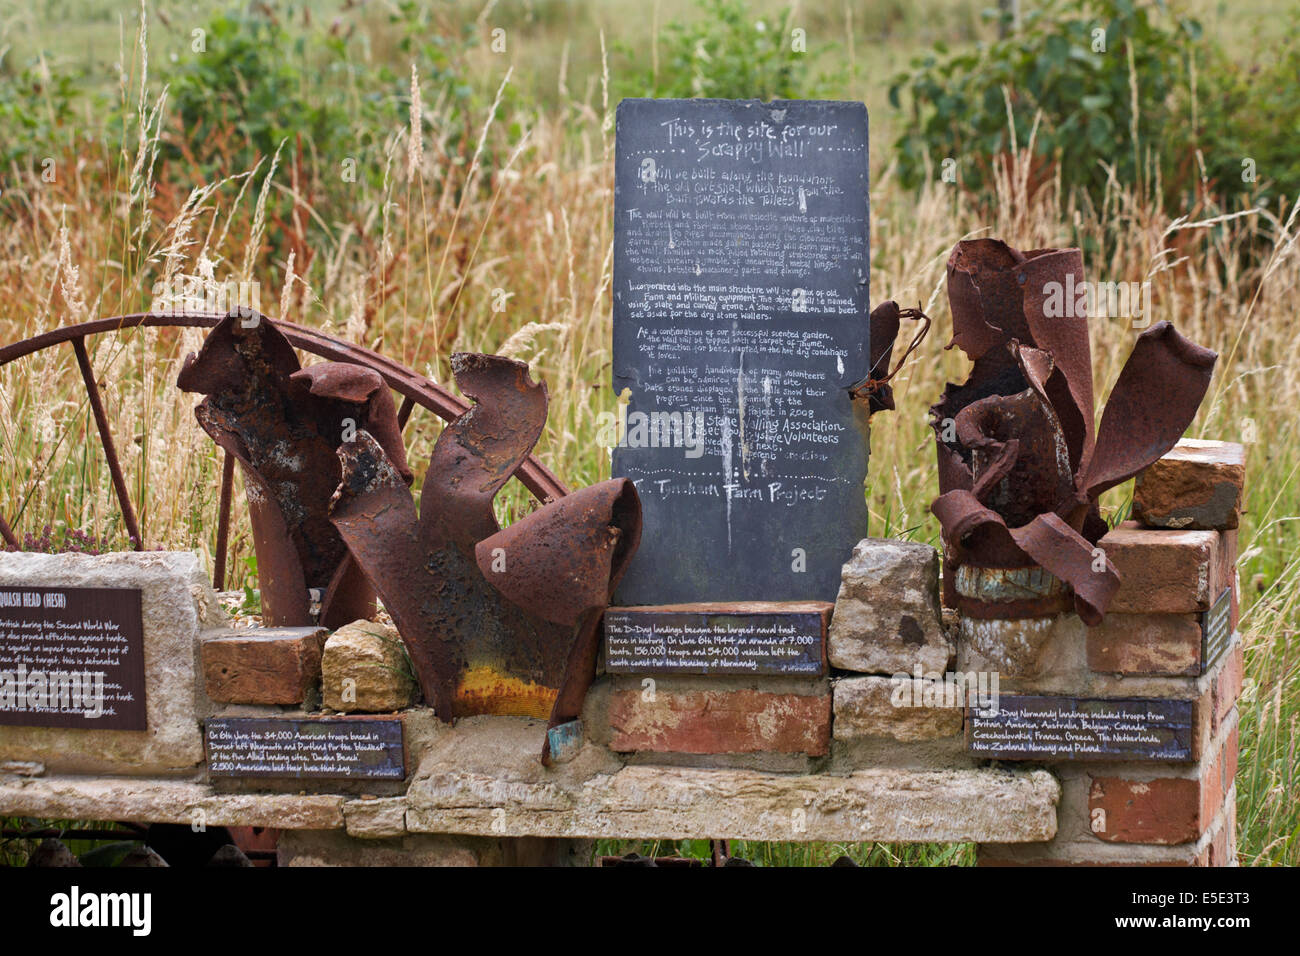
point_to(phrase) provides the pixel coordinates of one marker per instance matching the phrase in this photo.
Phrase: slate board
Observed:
(666, 641)
(741, 299)
(67, 654)
(1076, 728)
(334, 748)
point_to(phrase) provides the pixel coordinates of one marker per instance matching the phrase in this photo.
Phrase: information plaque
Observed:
(333, 748)
(72, 657)
(740, 326)
(1072, 728)
(695, 639)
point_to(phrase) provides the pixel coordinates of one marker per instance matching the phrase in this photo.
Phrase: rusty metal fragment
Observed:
(1021, 464)
(882, 325)
(283, 424)
(496, 621)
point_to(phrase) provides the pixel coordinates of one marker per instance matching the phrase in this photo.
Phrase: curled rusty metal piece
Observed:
(496, 621)
(883, 324)
(1021, 464)
(282, 425)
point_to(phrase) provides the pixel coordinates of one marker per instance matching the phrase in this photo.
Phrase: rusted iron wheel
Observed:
(414, 388)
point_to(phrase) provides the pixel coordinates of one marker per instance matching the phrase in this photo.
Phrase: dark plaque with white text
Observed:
(740, 325)
(72, 657)
(335, 748)
(699, 639)
(1075, 728)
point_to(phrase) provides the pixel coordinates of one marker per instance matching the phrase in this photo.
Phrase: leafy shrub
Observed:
(1076, 61)
(35, 111)
(726, 52)
(1249, 117)
(248, 90)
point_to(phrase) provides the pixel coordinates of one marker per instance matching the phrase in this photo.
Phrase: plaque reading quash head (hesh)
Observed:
(740, 323)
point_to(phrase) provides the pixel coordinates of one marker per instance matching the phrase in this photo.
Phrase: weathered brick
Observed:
(272, 665)
(871, 707)
(1163, 810)
(1146, 644)
(1165, 572)
(736, 719)
(1197, 485)
(1227, 684)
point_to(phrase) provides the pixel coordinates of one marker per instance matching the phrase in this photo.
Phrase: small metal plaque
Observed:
(713, 641)
(1216, 630)
(1073, 728)
(72, 657)
(335, 748)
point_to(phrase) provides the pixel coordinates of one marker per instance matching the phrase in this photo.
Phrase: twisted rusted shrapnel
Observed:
(282, 424)
(415, 389)
(1021, 465)
(496, 621)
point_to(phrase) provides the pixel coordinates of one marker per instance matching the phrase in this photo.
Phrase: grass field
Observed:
(411, 256)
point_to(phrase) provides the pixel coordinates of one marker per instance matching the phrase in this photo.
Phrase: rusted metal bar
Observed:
(106, 439)
(532, 473)
(404, 413)
(7, 533)
(223, 521)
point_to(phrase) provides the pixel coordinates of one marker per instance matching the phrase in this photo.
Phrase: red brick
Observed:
(1164, 572)
(1165, 810)
(1196, 486)
(1227, 685)
(1146, 644)
(273, 665)
(1224, 573)
(1218, 777)
(741, 720)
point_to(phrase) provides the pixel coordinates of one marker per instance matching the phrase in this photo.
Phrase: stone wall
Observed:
(866, 751)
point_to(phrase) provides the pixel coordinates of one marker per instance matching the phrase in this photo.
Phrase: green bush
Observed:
(250, 88)
(1073, 61)
(1249, 118)
(35, 111)
(726, 52)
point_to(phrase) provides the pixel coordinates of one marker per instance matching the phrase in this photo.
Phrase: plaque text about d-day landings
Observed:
(339, 748)
(740, 323)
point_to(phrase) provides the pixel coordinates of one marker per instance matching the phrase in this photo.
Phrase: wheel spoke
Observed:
(106, 439)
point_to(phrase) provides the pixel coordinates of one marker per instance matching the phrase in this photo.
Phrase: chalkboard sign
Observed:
(72, 657)
(1216, 630)
(1073, 728)
(337, 748)
(703, 639)
(740, 324)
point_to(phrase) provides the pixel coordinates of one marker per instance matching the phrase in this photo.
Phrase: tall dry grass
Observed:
(515, 256)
